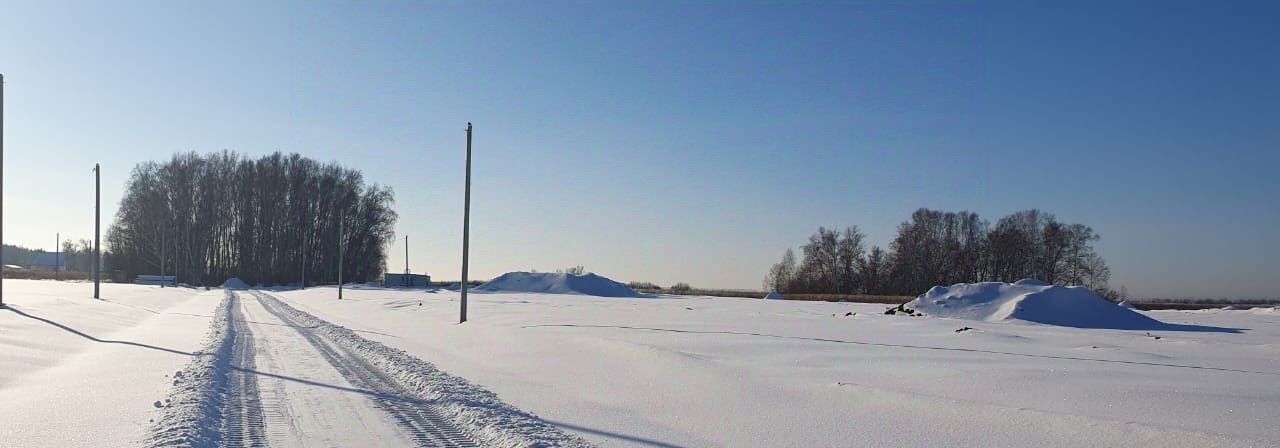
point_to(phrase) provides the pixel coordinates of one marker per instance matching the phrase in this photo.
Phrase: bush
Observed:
(639, 286)
(576, 270)
(681, 288)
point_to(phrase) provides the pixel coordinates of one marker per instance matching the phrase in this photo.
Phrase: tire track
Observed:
(242, 421)
(419, 419)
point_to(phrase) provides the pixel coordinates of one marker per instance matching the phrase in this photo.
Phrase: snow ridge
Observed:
(471, 408)
(191, 413)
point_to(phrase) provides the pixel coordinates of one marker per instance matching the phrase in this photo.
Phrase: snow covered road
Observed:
(362, 400)
(279, 377)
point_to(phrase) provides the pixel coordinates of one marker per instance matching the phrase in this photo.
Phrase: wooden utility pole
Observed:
(304, 254)
(97, 227)
(57, 236)
(341, 246)
(466, 228)
(162, 255)
(1, 189)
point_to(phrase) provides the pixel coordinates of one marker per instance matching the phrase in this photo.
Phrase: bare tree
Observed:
(221, 215)
(940, 248)
(782, 274)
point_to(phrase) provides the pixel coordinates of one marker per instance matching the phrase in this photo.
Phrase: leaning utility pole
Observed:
(1, 189)
(97, 227)
(466, 228)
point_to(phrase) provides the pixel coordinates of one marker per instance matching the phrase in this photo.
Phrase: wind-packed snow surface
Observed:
(709, 372)
(394, 368)
(1032, 301)
(586, 284)
(76, 371)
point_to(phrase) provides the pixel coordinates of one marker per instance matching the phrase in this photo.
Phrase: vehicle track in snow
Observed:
(242, 421)
(419, 419)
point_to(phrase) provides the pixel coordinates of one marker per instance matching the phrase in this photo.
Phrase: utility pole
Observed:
(162, 255)
(97, 227)
(1, 188)
(341, 247)
(466, 228)
(304, 253)
(58, 237)
(405, 281)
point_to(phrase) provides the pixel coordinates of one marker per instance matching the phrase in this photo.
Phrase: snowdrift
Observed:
(585, 284)
(235, 283)
(1031, 301)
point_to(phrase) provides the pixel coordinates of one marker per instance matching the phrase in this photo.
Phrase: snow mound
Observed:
(1031, 301)
(773, 296)
(235, 283)
(1125, 304)
(585, 284)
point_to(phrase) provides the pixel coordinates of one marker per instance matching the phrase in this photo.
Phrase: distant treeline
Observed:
(220, 215)
(76, 256)
(943, 248)
(18, 255)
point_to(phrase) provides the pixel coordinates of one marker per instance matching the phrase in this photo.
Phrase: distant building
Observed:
(405, 280)
(49, 261)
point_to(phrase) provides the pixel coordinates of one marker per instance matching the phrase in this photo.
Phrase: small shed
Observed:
(390, 280)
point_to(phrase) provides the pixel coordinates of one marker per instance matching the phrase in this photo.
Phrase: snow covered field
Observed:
(685, 371)
(75, 371)
(636, 371)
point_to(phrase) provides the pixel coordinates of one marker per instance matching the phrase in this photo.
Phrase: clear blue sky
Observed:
(682, 141)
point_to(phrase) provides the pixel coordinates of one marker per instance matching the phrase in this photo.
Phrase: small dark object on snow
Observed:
(687, 308)
(1153, 336)
(851, 313)
(963, 329)
(419, 303)
(901, 309)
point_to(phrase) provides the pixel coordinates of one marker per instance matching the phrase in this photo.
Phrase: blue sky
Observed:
(682, 141)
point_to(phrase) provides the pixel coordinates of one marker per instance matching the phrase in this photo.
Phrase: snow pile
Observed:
(1125, 304)
(585, 284)
(773, 296)
(1032, 301)
(187, 414)
(234, 283)
(1265, 310)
